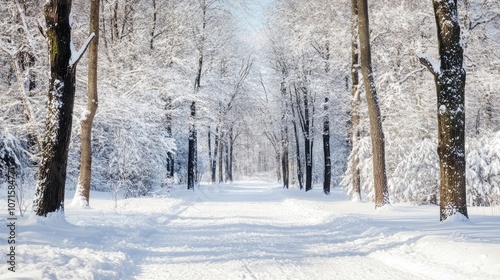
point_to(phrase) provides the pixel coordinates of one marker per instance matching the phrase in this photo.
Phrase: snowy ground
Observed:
(253, 230)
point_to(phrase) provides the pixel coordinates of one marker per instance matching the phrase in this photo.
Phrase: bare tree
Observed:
(449, 76)
(327, 176)
(52, 173)
(355, 119)
(83, 188)
(192, 140)
(376, 132)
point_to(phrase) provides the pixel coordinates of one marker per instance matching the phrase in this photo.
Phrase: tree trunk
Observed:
(226, 161)
(278, 164)
(326, 151)
(450, 89)
(376, 132)
(170, 155)
(307, 141)
(284, 137)
(153, 29)
(356, 100)
(114, 24)
(284, 157)
(221, 144)
(214, 159)
(297, 148)
(192, 170)
(49, 195)
(231, 155)
(83, 188)
(192, 160)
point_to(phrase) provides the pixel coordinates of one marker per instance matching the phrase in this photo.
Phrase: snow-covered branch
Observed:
(409, 75)
(76, 55)
(429, 62)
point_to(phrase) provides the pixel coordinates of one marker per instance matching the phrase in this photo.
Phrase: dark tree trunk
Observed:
(326, 151)
(284, 158)
(151, 42)
(170, 155)
(356, 100)
(297, 147)
(49, 196)
(278, 164)
(192, 170)
(221, 149)
(307, 140)
(450, 89)
(210, 158)
(376, 132)
(284, 138)
(214, 159)
(226, 161)
(231, 156)
(114, 24)
(192, 140)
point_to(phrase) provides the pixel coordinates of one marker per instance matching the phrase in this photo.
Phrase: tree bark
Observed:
(278, 163)
(192, 140)
(356, 100)
(450, 89)
(231, 155)
(326, 151)
(153, 29)
(376, 131)
(49, 194)
(297, 147)
(214, 159)
(284, 138)
(170, 155)
(221, 148)
(284, 157)
(226, 161)
(83, 188)
(307, 140)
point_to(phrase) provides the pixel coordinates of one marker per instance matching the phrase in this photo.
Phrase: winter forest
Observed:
(378, 103)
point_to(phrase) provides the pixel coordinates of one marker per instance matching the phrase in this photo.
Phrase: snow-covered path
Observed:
(255, 230)
(251, 231)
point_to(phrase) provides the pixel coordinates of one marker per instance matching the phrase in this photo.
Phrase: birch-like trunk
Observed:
(376, 131)
(83, 188)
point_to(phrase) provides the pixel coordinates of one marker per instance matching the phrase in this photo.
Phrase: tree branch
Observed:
(427, 61)
(76, 55)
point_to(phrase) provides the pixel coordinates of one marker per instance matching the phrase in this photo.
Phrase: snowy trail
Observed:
(252, 232)
(255, 230)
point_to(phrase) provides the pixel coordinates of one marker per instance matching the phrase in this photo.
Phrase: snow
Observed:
(253, 229)
(76, 55)
(435, 65)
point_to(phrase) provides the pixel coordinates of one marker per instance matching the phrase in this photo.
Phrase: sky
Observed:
(252, 15)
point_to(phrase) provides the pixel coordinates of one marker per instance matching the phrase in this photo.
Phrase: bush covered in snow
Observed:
(483, 170)
(416, 177)
(16, 168)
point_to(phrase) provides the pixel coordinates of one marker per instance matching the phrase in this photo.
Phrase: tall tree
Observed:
(376, 132)
(192, 140)
(326, 150)
(449, 76)
(355, 90)
(284, 134)
(49, 196)
(83, 188)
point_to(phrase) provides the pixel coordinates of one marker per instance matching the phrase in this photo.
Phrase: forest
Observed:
(178, 92)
